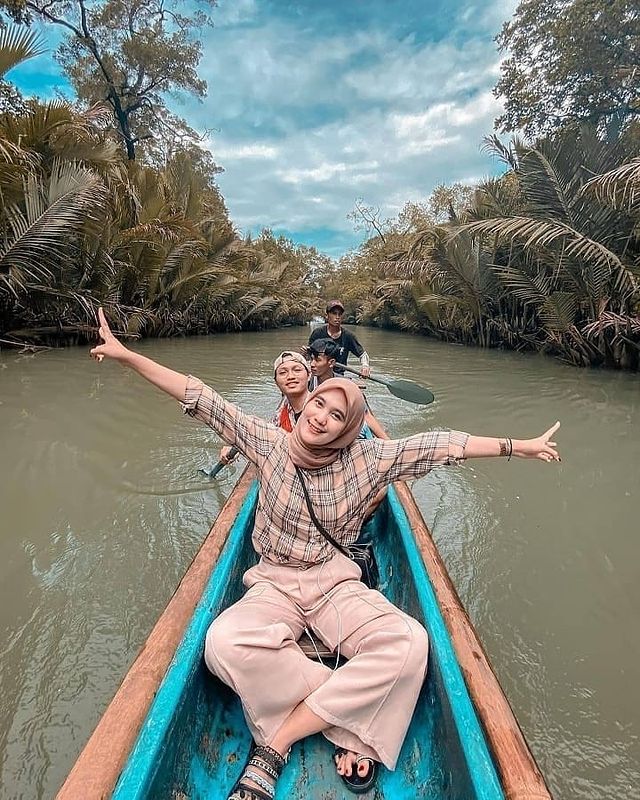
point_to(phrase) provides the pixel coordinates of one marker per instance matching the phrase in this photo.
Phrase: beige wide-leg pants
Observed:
(368, 701)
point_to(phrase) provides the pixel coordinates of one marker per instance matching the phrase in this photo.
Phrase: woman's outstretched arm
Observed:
(415, 456)
(541, 447)
(171, 382)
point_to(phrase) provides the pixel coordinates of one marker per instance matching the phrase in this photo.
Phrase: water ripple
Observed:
(103, 509)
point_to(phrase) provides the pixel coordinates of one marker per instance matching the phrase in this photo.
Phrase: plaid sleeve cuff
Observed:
(457, 444)
(192, 395)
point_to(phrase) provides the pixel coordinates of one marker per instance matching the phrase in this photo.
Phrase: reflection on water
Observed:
(103, 509)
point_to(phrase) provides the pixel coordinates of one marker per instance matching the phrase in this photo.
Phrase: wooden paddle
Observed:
(211, 473)
(405, 390)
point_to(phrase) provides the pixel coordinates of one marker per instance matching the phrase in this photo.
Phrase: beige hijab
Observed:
(316, 457)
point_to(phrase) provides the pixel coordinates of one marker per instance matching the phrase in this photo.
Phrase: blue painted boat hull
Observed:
(194, 740)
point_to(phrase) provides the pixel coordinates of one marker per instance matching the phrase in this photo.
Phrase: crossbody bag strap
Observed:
(315, 519)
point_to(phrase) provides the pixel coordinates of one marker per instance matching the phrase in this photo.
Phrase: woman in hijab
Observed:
(302, 582)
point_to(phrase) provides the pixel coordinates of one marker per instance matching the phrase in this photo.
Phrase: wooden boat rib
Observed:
(133, 754)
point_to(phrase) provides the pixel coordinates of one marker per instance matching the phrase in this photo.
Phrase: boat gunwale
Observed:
(102, 759)
(519, 773)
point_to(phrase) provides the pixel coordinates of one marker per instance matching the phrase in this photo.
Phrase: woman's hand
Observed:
(170, 381)
(111, 348)
(542, 447)
(487, 446)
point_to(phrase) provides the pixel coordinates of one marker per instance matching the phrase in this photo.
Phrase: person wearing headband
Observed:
(291, 375)
(301, 581)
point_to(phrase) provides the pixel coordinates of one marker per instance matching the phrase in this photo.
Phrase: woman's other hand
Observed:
(111, 348)
(543, 447)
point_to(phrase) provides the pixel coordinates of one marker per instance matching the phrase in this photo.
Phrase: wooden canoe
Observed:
(173, 731)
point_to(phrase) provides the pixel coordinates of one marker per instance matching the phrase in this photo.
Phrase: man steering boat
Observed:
(344, 340)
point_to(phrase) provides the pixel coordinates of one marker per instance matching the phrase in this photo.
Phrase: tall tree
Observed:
(570, 60)
(129, 53)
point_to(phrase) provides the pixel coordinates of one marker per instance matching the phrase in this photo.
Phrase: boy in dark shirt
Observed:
(345, 341)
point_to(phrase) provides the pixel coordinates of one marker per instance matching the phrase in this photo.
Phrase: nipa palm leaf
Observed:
(17, 45)
(539, 234)
(47, 233)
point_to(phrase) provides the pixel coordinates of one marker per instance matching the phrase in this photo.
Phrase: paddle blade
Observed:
(411, 392)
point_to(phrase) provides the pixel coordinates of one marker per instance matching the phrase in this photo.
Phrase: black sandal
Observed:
(269, 762)
(354, 782)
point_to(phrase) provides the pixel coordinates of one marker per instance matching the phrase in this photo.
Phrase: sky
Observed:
(313, 105)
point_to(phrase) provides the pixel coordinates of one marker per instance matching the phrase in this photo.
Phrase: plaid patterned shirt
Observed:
(340, 492)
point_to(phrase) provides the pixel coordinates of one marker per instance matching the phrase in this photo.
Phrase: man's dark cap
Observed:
(334, 304)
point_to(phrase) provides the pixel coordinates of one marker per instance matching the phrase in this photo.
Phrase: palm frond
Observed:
(622, 325)
(494, 146)
(261, 305)
(620, 187)
(18, 45)
(558, 311)
(529, 289)
(47, 233)
(543, 186)
(535, 233)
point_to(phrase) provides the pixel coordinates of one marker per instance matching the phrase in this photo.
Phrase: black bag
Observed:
(362, 554)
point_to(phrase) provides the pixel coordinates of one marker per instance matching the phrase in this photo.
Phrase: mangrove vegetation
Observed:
(112, 200)
(545, 256)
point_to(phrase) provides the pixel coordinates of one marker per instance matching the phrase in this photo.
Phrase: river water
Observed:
(103, 509)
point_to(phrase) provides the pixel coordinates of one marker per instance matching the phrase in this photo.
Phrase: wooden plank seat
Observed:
(315, 648)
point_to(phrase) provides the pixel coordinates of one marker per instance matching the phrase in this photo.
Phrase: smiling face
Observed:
(291, 378)
(323, 419)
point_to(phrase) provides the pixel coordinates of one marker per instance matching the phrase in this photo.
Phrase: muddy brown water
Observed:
(102, 510)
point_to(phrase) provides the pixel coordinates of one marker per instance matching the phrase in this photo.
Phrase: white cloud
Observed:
(410, 73)
(446, 115)
(232, 152)
(326, 172)
(232, 12)
(305, 127)
(320, 174)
